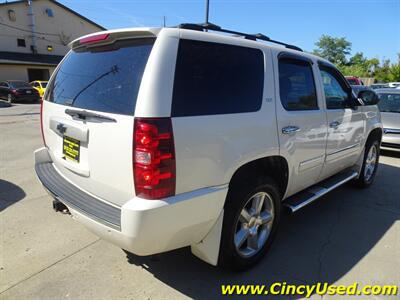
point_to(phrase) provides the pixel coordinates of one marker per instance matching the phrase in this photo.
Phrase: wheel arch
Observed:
(275, 167)
(375, 133)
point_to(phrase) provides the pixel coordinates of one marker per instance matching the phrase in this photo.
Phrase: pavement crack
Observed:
(328, 241)
(51, 265)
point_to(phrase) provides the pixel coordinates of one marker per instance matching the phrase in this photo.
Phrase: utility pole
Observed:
(32, 26)
(163, 21)
(207, 9)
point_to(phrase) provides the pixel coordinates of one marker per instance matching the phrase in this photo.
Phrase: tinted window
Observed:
(3, 84)
(334, 88)
(212, 78)
(44, 84)
(103, 78)
(296, 85)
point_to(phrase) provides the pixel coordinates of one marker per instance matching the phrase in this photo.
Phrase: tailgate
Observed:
(88, 116)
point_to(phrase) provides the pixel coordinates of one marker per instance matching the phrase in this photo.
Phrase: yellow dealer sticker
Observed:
(71, 148)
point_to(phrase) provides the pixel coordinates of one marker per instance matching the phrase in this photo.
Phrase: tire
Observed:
(10, 98)
(236, 251)
(370, 164)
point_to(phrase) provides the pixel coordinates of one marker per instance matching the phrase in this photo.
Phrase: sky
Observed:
(372, 26)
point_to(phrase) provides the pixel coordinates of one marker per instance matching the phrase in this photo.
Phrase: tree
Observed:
(333, 49)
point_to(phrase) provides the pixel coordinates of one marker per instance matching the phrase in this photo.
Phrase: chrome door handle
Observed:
(334, 124)
(290, 129)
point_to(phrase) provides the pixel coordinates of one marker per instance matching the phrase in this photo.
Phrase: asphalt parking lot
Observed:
(348, 236)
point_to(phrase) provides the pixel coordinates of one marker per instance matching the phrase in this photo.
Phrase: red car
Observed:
(353, 80)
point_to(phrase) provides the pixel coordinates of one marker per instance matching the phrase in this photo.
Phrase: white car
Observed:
(389, 105)
(394, 84)
(157, 139)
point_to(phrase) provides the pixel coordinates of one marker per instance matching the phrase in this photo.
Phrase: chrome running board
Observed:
(301, 199)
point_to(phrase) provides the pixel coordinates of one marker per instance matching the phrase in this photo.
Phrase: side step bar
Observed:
(299, 200)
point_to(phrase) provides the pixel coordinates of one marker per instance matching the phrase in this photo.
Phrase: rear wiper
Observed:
(83, 114)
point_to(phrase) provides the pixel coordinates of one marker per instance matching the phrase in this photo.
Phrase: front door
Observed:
(345, 124)
(302, 126)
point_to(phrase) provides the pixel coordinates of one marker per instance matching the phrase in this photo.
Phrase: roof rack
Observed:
(249, 36)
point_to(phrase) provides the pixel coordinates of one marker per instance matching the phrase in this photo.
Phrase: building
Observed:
(34, 36)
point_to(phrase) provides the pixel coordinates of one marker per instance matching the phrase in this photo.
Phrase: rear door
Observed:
(302, 126)
(89, 112)
(345, 124)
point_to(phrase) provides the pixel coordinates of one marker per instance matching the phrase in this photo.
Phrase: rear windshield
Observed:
(103, 78)
(20, 84)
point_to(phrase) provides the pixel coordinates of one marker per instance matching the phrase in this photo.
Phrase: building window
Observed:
(11, 15)
(21, 42)
(49, 12)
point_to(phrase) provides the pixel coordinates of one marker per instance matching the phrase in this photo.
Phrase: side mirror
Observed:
(368, 97)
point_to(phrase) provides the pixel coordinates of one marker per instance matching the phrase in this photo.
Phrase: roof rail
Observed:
(249, 36)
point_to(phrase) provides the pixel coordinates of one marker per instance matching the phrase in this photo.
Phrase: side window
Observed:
(213, 78)
(3, 84)
(296, 85)
(334, 89)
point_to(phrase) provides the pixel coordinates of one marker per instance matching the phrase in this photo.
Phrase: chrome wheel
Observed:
(370, 162)
(254, 224)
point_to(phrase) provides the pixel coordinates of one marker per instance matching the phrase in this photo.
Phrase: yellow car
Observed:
(40, 86)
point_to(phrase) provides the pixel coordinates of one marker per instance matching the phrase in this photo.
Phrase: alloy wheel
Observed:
(254, 224)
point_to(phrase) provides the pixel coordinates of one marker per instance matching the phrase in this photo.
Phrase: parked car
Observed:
(157, 139)
(353, 80)
(394, 84)
(14, 90)
(378, 86)
(389, 106)
(40, 86)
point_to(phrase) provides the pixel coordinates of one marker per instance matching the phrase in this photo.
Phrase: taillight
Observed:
(15, 92)
(153, 158)
(41, 121)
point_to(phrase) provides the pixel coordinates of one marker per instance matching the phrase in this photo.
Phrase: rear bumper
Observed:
(27, 98)
(143, 227)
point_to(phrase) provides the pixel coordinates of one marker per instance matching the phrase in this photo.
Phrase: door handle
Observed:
(290, 129)
(334, 124)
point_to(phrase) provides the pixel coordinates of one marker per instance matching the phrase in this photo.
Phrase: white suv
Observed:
(157, 139)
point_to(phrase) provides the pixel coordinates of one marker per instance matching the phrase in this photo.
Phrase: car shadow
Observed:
(9, 194)
(320, 243)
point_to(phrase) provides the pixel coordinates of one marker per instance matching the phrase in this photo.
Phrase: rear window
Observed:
(103, 78)
(20, 84)
(213, 78)
(296, 85)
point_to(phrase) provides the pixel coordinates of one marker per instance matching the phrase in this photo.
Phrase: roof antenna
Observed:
(207, 10)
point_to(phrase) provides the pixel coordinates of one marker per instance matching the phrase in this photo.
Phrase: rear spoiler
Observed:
(110, 36)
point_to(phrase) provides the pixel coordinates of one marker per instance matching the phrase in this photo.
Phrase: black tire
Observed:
(367, 178)
(10, 98)
(229, 255)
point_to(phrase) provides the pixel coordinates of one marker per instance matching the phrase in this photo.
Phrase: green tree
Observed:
(333, 49)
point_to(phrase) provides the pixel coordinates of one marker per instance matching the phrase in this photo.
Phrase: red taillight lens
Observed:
(94, 38)
(153, 158)
(15, 92)
(41, 121)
